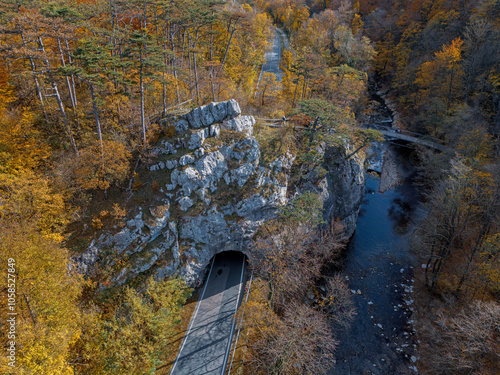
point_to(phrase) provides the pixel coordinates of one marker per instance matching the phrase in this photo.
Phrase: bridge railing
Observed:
(409, 133)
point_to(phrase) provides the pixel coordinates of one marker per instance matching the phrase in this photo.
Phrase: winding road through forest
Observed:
(206, 345)
(273, 56)
(207, 342)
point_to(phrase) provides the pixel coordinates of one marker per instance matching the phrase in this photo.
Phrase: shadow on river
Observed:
(379, 269)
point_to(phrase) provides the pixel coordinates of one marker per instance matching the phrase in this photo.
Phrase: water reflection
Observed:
(379, 265)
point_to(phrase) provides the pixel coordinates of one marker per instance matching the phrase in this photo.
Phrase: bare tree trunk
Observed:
(59, 100)
(196, 79)
(164, 90)
(355, 151)
(212, 59)
(141, 84)
(96, 112)
(295, 94)
(227, 50)
(189, 63)
(174, 68)
(37, 83)
(450, 89)
(114, 50)
(98, 125)
(212, 73)
(64, 116)
(263, 95)
(70, 91)
(72, 75)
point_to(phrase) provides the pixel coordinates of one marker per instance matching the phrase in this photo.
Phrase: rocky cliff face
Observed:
(342, 187)
(215, 197)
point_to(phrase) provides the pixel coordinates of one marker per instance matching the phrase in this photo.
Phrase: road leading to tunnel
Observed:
(205, 347)
(273, 56)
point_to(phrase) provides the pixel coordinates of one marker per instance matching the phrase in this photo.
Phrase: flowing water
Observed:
(379, 269)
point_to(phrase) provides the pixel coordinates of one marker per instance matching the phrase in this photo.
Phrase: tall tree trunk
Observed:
(196, 79)
(212, 74)
(211, 60)
(174, 68)
(59, 100)
(227, 50)
(72, 75)
(141, 84)
(450, 90)
(190, 65)
(70, 90)
(96, 112)
(295, 94)
(98, 125)
(37, 83)
(164, 90)
(64, 116)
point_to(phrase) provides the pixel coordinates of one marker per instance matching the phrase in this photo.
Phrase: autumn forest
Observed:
(86, 88)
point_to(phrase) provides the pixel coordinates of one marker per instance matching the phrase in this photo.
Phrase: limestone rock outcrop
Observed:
(215, 194)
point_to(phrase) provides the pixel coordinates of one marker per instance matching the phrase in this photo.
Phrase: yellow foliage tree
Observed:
(441, 77)
(6, 90)
(489, 265)
(357, 24)
(27, 199)
(96, 170)
(269, 86)
(48, 319)
(20, 145)
(300, 15)
(135, 339)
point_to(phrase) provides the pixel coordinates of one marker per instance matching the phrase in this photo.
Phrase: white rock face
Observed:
(218, 110)
(242, 174)
(189, 180)
(209, 114)
(194, 118)
(186, 159)
(214, 130)
(207, 118)
(164, 148)
(240, 124)
(197, 139)
(185, 203)
(212, 164)
(233, 108)
(342, 189)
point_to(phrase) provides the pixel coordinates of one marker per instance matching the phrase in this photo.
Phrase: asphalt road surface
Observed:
(273, 56)
(206, 345)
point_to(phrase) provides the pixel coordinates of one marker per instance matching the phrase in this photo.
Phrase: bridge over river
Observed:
(388, 132)
(412, 137)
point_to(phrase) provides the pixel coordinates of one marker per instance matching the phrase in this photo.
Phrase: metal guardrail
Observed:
(239, 325)
(408, 132)
(402, 134)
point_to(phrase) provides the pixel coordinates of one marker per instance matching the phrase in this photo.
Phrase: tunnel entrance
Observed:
(222, 262)
(207, 343)
(226, 270)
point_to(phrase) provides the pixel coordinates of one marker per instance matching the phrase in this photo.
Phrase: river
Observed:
(379, 269)
(378, 265)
